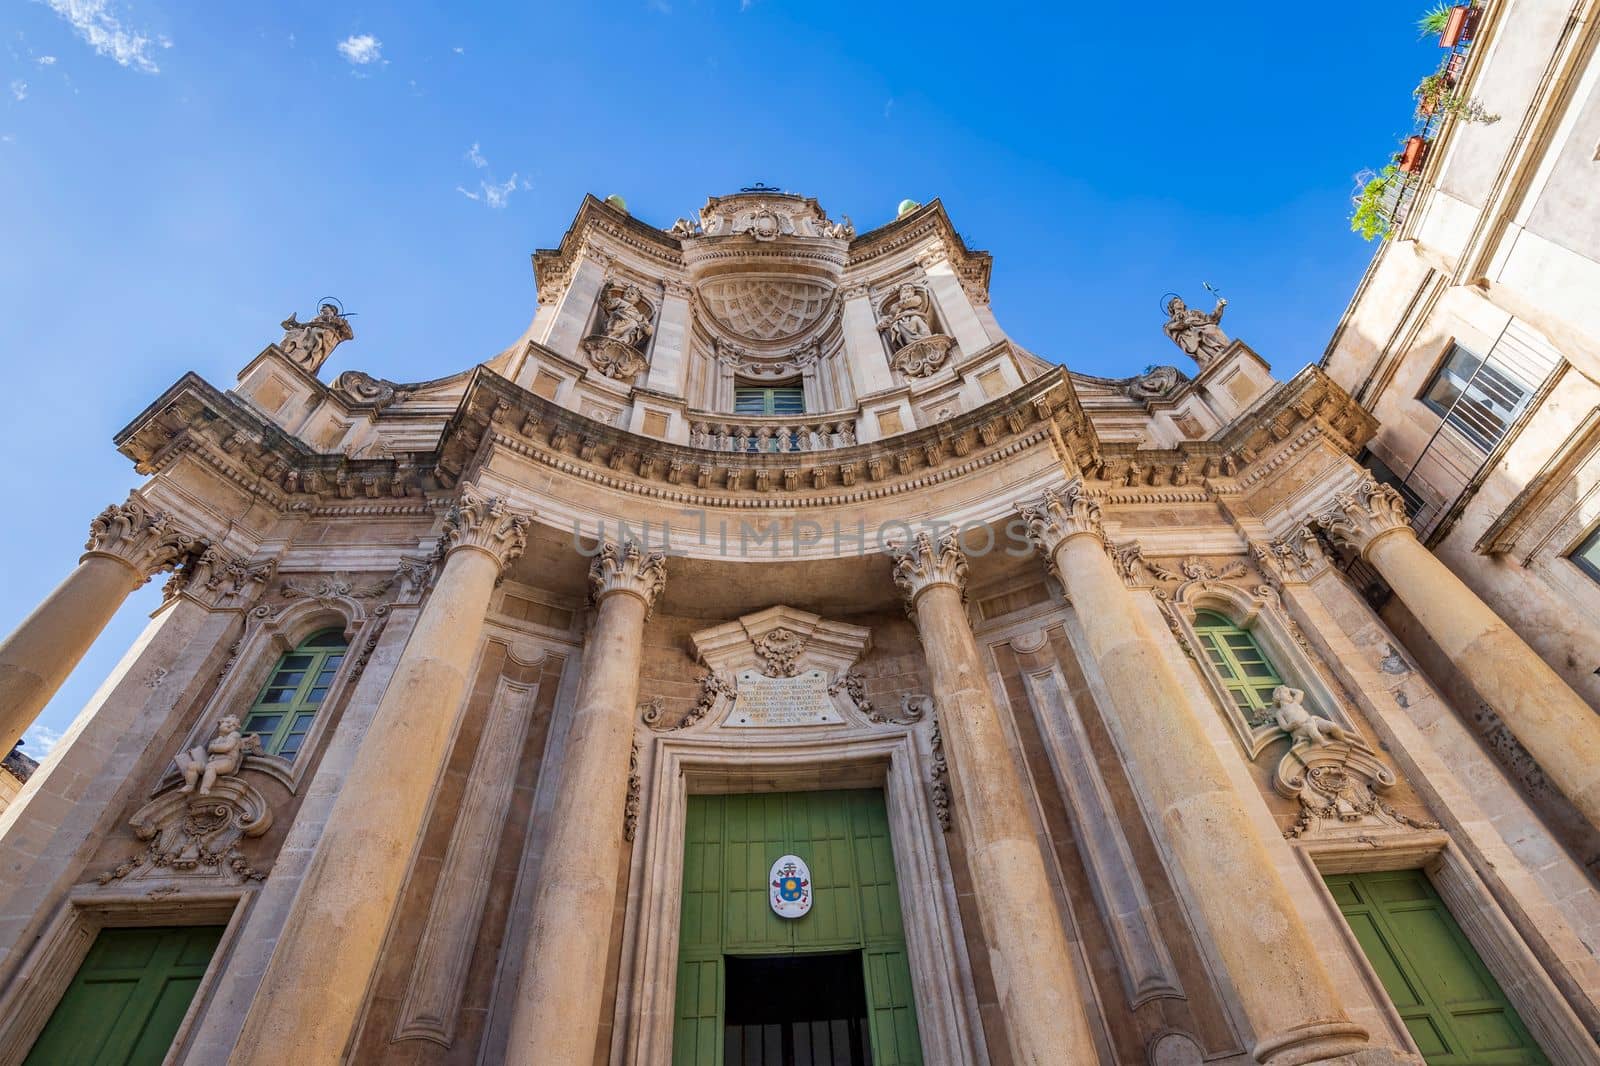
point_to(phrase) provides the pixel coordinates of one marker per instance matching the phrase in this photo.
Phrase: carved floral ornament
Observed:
(1360, 517)
(1061, 515)
(146, 540)
(629, 568)
(778, 649)
(486, 523)
(923, 563)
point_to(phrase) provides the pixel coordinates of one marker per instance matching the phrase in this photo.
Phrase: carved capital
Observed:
(1060, 516)
(1359, 518)
(220, 579)
(1297, 557)
(146, 540)
(487, 524)
(628, 568)
(925, 562)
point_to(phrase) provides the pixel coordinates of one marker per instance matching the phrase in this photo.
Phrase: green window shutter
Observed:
(1448, 999)
(1244, 669)
(769, 400)
(295, 692)
(128, 998)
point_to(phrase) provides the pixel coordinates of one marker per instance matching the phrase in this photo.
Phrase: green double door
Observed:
(728, 924)
(128, 998)
(1450, 1002)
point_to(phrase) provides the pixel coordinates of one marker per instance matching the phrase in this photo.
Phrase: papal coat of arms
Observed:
(791, 887)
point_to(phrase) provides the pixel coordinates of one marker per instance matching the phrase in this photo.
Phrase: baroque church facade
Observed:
(762, 660)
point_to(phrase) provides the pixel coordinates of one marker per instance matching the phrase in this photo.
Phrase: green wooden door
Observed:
(1448, 999)
(729, 847)
(129, 997)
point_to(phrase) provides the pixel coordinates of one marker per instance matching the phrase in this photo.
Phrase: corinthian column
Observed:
(1553, 722)
(1028, 950)
(559, 997)
(309, 997)
(1291, 1004)
(127, 544)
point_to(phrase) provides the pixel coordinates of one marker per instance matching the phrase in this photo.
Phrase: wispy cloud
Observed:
(491, 193)
(746, 5)
(46, 61)
(96, 22)
(361, 50)
(888, 107)
(458, 50)
(39, 740)
(660, 7)
(19, 89)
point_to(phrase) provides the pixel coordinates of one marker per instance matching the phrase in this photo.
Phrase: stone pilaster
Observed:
(1292, 1007)
(1553, 722)
(1028, 950)
(311, 994)
(127, 544)
(562, 986)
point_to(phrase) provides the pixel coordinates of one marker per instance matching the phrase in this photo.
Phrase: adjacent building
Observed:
(764, 659)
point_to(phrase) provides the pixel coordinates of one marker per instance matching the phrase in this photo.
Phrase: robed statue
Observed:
(309, 344)
(1199, 334)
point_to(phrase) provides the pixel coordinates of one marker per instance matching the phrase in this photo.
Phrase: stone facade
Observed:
(574, 588)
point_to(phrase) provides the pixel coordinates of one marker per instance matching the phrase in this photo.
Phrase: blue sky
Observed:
(175, 178)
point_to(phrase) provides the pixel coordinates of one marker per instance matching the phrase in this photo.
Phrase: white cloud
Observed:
(19, 89)
(46, 61)
(96, 22)
(495, 194)
(39, 740)
(361, 50)
(458, 50)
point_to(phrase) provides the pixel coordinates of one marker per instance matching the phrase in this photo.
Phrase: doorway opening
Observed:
(796, 1010)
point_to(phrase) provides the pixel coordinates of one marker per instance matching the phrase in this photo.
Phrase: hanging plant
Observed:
(1369, 217)
(1434, 96)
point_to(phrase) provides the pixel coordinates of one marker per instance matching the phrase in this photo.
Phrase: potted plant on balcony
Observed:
(1412, 153)
(1452, 22)
(1370, 217)
(1430, 92)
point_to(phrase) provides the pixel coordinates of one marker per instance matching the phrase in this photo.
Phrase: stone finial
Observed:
(485, 523)
(627, 567)
(1358, 519)
(924, 563)
(145, 540)
(1061, 515)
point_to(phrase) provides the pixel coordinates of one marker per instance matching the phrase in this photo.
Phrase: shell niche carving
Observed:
(766, 309)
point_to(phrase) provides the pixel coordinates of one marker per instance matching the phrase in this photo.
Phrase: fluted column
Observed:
(559, 997)
(127, 543)
(1558, 728)
(1028, 949)
(1288, 997)
(309, 997)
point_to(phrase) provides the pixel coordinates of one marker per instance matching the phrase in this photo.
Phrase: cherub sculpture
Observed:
(221, 756)
(309, 344)
(1301, 724)
(1197, 332)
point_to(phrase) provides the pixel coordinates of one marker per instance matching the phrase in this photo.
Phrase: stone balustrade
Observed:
(719, 434)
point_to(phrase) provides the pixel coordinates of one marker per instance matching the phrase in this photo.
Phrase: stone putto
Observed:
(1301, 725)
(221, 756)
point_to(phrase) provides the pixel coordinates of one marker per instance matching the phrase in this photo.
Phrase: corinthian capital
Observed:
(487, 524)
(145, 540)
(220, 579)
(1060, 516)
(627, 567)
(924, 563)
(1358, 518)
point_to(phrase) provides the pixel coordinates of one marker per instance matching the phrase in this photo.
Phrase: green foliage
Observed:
(1432, 24)
(1368, 218)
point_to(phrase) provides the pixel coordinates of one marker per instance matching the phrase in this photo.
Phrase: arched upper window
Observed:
(287, 706)
(1244, 668)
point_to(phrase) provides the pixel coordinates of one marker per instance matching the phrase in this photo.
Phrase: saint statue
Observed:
(626, 319)
(1197, 332)
(906, 316)
(310, 343)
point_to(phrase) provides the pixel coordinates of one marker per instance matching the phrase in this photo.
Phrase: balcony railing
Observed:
(770, 434)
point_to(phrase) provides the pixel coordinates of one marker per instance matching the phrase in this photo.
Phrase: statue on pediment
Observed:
(309, 344)
(1197, 332)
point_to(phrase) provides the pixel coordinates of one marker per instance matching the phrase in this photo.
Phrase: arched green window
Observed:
(284, 711)
(1244, 668)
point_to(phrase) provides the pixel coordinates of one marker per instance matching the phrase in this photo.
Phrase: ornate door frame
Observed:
(858, 755)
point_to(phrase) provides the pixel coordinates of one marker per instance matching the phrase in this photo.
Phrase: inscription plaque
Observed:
(767, 702)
